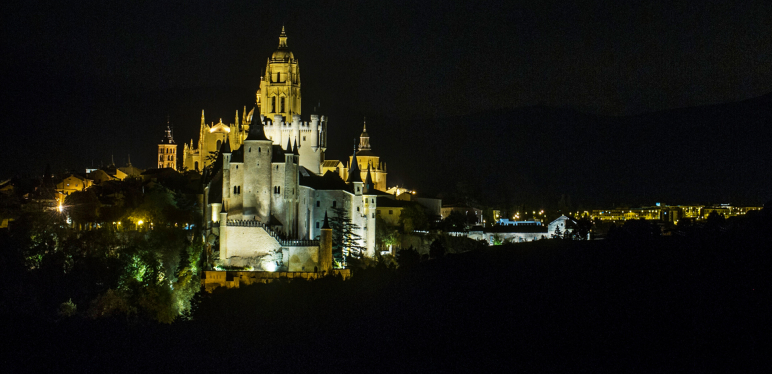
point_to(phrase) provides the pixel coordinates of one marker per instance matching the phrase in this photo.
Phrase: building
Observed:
(167, 151)
(210, 138)
(466, 210)
(268, 194)
(71, 183)
(277, 109)
(521, 231)
(367, 161)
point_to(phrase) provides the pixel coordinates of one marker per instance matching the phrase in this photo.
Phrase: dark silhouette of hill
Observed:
(716, 153)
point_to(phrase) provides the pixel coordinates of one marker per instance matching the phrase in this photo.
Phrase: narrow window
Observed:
(334, 203)
(391, 212)
(282, 105)
(357, 209)
(373, 215)
(318, 203)
(250, 150)
(259, 149)
(317, 225)
(273, 104)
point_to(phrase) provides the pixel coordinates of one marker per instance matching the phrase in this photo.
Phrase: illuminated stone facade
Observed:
(368, 162)
(277, 109)
(167, 151)
(210, 138)
(268, 194)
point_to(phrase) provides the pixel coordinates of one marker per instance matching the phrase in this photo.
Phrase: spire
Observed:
(203, 121)
(129, 163)
(353, 171)
(326, 224)
(289, 146)
(364, 138)
(282, 38)
(168, 139)
(368, 180)
(225, 147)
(112, 160)
(256, 131)
(295, 148)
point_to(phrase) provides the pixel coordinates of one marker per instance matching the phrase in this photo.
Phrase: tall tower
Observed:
(167, 150)
(279, 92)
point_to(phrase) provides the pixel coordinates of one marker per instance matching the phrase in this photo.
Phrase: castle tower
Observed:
(325, 247)
(167, 150)
(279, 92)
(257, 175)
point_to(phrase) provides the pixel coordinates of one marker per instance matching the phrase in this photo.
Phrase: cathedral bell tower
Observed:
(167, 150)
(279, 92)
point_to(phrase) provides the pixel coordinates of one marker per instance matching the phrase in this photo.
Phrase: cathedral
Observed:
(270, 189)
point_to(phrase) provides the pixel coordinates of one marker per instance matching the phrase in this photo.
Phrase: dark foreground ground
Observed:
(663, 305)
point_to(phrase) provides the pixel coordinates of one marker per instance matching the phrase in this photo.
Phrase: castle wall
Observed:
(304, 258)
(245, 241)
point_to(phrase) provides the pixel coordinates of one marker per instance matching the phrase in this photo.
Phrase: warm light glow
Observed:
(271, 266)
(61, 208)
(140, 222)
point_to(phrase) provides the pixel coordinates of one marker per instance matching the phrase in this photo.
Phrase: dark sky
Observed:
(91, 78)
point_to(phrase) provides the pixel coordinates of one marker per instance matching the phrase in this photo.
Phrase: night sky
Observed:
(544, 82)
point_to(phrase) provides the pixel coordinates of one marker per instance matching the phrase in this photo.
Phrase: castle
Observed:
(270, 188)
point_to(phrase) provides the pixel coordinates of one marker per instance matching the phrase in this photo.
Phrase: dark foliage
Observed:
(691, 303)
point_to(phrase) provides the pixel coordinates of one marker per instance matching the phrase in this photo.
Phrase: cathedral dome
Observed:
(282, 53)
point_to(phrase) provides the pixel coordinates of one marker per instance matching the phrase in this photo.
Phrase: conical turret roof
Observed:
(353, 172)
(256, 131)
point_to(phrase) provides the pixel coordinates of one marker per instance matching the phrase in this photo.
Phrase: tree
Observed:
(408, 258)
(413, 217)
(385, 235)
(454, 222)
(82, 206)
(436, 250)
(345, 240)
(557, 234)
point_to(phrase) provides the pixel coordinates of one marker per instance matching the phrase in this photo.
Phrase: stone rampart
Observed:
(232, 279)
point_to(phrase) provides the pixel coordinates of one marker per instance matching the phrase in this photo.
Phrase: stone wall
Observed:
(303, 259)
(232, 279)
(245, 241)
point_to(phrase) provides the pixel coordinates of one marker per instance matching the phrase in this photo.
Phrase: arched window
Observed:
(218, 145)
(196, 165)
(282, 105)
(273, 104)
(259, 149)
